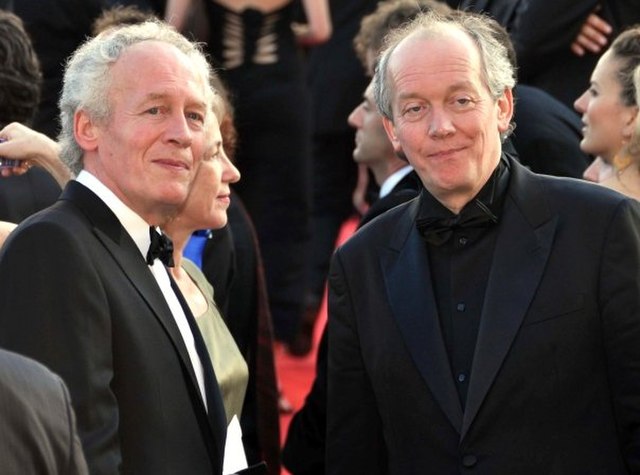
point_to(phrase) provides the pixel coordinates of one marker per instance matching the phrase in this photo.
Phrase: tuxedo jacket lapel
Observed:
(408, 282)
(522, 248)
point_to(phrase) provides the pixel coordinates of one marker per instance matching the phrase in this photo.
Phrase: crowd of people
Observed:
(170, 192)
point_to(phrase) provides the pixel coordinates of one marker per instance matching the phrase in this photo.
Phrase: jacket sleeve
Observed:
(354, 429)
(53, 308)
(620, 312)
(545, 30)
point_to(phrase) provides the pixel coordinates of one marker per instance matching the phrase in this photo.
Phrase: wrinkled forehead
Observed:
(155, 68)
(436, 57)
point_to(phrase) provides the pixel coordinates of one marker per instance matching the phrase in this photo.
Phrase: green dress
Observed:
(230, 367)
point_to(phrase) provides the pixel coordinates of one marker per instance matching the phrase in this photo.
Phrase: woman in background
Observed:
(609, 110)
(256, 45)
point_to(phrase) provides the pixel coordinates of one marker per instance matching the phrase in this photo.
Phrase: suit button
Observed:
(469, 460)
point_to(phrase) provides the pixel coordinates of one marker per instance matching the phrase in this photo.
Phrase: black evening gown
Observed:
(258, 57)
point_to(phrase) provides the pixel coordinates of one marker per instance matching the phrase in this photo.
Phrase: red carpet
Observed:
(296, 374)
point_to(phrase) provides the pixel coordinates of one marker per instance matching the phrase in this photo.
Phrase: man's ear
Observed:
(390, 128)
(85, 130)
(505, 110)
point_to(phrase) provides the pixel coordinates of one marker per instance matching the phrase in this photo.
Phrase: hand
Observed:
(20, 169)
(592, 37)
(305, 36)
(33, 148)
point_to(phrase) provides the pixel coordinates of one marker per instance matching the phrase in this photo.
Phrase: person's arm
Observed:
(75, 462)
(54, 309)
(318, 28)
(176, 12)
(619, 304)
(354, 440)
(544, 30)
(27, 145)
(593, 36)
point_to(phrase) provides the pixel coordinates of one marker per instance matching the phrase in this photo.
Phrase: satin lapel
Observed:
(408, 282)
(119, 244)
(520, 256)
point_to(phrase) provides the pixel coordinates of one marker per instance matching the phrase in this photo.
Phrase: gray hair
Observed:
(87, 76)
(498, 73)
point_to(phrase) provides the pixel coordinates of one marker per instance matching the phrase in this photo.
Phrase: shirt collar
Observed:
(137, 227)
(491, 195)
(392, 180)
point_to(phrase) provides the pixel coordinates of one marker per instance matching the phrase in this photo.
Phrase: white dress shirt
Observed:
(393, 179)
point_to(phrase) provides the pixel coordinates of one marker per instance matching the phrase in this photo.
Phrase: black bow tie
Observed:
(437, 231)
(161, 248)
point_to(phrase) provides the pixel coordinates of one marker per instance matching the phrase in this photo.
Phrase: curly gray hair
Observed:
(87, 76)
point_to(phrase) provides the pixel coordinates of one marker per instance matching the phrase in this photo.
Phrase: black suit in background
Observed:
(21, 196)
(39, 433)
(547, 135)
(304, 449)
(405, 190)
(77, 295)
(157, 7)
(504, 12)
(232, 264)
(56, 29)
(543, 35)
(554, 387)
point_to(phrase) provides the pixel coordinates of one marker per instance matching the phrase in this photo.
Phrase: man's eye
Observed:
(195, 116)
(463, 101)
(413, 110)
(153, 110)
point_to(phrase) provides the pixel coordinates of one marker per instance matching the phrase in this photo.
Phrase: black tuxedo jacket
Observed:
(555, 381)
(77, 295)
(304, 450)
(548, 134)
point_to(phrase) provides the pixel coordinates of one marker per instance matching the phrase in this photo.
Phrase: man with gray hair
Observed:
(491, 324)
(83, 284)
